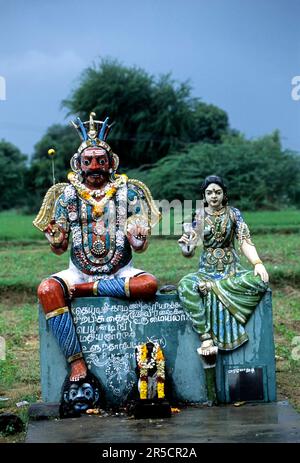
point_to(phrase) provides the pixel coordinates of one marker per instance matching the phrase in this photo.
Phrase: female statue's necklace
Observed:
(218, 227)
(217, 212)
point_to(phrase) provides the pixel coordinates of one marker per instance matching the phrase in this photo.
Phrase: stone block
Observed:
(110, 328)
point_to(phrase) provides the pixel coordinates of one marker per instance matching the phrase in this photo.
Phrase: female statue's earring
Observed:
(225, 200)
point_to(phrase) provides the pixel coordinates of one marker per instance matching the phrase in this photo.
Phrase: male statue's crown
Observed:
(92, 132)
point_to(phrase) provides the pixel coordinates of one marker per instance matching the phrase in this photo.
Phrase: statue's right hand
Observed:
(187, 245)
(55, 234)
(185, 239)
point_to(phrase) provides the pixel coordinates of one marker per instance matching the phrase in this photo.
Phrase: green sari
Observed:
(235, 293)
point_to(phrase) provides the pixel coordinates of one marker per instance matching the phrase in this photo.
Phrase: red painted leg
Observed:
(142, 286)
(52, 299)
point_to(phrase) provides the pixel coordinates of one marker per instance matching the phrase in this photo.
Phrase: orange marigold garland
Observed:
(147, 360)
(87, 194)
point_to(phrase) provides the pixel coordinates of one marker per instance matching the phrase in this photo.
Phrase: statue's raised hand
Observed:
(188, 240)
(55, 234)
(137, 234)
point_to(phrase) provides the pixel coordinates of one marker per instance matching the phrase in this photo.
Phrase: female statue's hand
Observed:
(259, 269)
(187, 245)
(184, 239)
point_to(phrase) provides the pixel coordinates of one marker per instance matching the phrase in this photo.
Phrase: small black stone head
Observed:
(79, 396)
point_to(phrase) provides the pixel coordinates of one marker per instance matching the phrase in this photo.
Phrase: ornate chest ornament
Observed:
(219, 257)
(98, 248)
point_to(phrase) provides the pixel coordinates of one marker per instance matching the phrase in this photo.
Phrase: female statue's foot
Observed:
(78, 370)
(207, 348)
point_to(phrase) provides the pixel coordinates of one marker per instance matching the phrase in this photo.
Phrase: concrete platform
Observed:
(256, 423)
(110, 328)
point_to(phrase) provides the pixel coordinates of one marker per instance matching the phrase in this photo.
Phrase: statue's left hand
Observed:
(260, 270)
(137, 235)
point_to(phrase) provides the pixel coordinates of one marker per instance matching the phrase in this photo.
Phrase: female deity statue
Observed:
(222, 295)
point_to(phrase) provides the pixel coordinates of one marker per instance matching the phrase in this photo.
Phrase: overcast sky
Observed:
(240, 55)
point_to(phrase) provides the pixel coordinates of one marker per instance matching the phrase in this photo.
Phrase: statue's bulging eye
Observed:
(88, 393)
(73, 394)
(101, 162)
(86, 162)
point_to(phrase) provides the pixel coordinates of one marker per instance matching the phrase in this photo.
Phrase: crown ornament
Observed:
(93, 133)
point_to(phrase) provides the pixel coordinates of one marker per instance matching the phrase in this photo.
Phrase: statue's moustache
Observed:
(95, 172)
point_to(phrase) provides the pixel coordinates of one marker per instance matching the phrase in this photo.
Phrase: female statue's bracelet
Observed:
(258, 261)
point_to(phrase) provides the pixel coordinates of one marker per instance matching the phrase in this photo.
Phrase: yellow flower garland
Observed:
(157, 359)
(86, 194)
(161, 390)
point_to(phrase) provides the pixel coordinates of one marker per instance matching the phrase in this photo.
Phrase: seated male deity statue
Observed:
(107, 216)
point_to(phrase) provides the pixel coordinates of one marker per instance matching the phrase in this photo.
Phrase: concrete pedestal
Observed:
(110, 328)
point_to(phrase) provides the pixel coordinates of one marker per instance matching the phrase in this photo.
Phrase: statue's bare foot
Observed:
(207, 348)
(78, 370)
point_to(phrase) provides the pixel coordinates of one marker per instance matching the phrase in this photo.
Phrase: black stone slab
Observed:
(43, 411)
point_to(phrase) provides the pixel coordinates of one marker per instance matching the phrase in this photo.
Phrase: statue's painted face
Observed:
(81, 396)
(214, 196)
(94, 164)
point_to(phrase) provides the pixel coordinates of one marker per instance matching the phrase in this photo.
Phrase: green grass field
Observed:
(262, 222)
(15, 227)
(280, 253)
(25, 259)
(19, 228)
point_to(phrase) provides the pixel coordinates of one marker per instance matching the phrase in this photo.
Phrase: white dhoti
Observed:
(73, 276)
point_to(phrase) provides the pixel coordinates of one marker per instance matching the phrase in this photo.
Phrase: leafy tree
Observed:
(168, 139)
(153, 115)
(259, 173)
(65, 142)
(209, 123)
(13, 171)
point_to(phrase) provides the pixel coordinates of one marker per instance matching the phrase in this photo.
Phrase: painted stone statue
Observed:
(151, 388)
(108, 216)
(79, 397)
(151, 371)
(222, 295)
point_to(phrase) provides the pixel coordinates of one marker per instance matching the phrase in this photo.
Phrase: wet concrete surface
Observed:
(260, 423)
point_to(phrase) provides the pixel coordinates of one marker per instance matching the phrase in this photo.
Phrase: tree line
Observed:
(163, 136)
